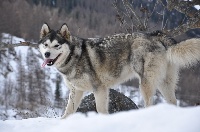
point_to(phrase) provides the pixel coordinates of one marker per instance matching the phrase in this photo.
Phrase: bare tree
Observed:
(132, 19)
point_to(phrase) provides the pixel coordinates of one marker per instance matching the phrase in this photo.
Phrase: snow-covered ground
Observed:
(159, 118)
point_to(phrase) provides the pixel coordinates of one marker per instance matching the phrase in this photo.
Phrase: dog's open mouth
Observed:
(50, 62)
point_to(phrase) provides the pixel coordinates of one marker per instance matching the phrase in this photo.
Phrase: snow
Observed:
(197, 6)
(159, 118)
(7, 38)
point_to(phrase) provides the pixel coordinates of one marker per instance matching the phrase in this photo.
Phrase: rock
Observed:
(118, 102)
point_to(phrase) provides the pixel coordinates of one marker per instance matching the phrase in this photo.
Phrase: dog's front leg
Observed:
(74, 101)
(102, 99)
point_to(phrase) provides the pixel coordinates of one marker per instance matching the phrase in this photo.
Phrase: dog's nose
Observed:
(47, 54)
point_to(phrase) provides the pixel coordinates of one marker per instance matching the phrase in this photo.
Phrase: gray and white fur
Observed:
(101, 63)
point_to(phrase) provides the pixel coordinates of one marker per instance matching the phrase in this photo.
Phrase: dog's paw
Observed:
(64, 116)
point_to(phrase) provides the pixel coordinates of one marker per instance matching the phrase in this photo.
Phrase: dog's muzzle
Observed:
(50, 62)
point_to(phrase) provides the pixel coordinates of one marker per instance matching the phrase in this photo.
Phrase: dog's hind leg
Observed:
(147, 90)
(102, 98)
(74, 101)
(152, 75)
(168, 86)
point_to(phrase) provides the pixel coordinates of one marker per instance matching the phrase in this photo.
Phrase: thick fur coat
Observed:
(100, 63)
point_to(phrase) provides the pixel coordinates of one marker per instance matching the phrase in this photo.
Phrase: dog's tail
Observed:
(185, 53)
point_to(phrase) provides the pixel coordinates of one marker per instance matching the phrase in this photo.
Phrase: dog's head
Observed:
(54, 45)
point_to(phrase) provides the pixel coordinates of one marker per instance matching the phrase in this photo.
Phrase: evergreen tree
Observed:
(21, 83)
(33, 89)
(8, 94)
(58, 92)
(38, 92)
(41, 84)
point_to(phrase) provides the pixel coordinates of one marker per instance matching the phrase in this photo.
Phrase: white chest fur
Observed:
(83, 83)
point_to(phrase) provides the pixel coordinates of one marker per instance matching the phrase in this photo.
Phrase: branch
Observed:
(128, 18)
(120, 16)
(191, 24)
(185, 7)
(141, 26)
(5, 45)
(146, 21)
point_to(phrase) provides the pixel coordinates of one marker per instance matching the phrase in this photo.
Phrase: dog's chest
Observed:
(82, 83)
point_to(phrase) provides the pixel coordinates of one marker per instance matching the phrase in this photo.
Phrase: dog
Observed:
(97, 64)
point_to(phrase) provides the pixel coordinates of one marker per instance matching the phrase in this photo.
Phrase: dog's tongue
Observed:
(45, 62)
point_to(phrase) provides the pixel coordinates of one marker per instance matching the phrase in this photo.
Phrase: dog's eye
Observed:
(45, 44)
(56, 45)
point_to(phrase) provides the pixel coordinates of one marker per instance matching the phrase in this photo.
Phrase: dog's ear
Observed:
(64, 31)
(44, 31)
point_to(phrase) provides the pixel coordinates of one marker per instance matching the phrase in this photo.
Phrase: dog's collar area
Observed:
(70, 55)
(68, 58)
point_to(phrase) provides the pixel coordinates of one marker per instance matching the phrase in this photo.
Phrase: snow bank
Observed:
(159, 118)
(197, 6)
